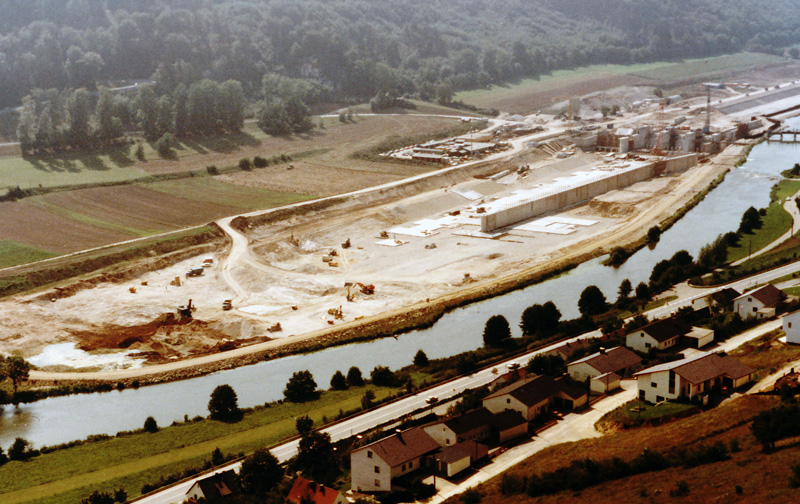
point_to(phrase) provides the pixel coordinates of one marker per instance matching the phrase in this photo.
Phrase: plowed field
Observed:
(26, 223)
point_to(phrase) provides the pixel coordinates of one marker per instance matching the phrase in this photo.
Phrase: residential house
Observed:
(305, 491)
(534, 395)
(451, 460)
(698, 337)
(375, 465)
(475, 425)
(719, 300)
(691, 378)
(761, 303)
(567, 349)
(659, 334)
(791, 326)
(604, 368)
(507, 425)
(215, 486)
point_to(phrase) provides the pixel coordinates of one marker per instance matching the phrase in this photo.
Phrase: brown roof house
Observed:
(475, 425)
(604, 368)
(216, 486)
(761, 303)
(451, 460)
(659, 334)
(691, 378)
(719, 300)
(535, 395)
(305, 491)
(375, 465)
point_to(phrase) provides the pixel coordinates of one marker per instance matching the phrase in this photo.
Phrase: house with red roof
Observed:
(691, 378)
(305, 491)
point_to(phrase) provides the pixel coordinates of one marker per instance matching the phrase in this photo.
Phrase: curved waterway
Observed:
(68, 418)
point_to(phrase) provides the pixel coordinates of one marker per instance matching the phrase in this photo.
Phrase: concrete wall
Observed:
(791, 326)
(581, 370)
(566, 197)
(680, 164)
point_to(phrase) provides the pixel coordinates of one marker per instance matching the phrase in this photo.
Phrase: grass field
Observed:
(775, 223)
(564, 83)
(13, 253)
(212, 191)
(131, 461)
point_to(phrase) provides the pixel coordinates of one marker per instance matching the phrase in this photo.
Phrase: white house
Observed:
(609, 364)
(475, 425)
(760, 303)
(691, 378)
(534, 395)
(659, 334)
(791, 326)
(375, 465)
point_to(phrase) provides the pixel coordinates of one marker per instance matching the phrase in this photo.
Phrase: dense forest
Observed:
(342, 50)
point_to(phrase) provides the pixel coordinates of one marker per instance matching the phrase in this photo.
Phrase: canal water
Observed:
(63, 419)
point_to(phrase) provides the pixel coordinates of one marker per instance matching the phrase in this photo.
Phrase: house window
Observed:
(755, 309)
(508, 401)
(653, 384)
(403, 467)
(377, 483)
(671, 381)
(659, 398)
(641, 395)
(377, 470)
(790, 325)
(647, 345)
(411, 464)
(369, 454)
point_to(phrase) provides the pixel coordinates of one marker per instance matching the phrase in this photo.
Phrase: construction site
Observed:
(504, 204)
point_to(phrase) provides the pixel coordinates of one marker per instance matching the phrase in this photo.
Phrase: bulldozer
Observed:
(366, 289)
(186, 311)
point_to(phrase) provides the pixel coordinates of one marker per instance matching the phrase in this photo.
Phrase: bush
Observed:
(19, 450)
(304, 424)
(354, 378)
(139, 152)
(420, 359)
(471, 496)
(368, 399)
(150, 425)
(212, 170)
(223, 404)
(301, 387)
(245, 164)
(338, 381)
(496, 332)
(164, 145)
(260, 162)
(382, 376)
(653, 234)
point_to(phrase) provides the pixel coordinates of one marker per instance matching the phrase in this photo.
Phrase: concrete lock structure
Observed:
(584, 186)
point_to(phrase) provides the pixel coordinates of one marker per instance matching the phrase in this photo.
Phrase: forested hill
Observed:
(356, 48)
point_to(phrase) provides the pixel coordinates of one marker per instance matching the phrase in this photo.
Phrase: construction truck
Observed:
(227, 305)
(194, 272)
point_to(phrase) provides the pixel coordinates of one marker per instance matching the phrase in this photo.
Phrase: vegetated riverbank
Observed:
(405, 319)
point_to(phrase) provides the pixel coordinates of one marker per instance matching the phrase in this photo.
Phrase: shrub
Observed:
(471, 496)
(420, 359)
(304, 424)
(139, 152)
(150, 425)
(354, 378)
(382, 376)
(19, 450)
(245, 164)
(164, 145)
(338, 381)
(260, 162)
(212, 170)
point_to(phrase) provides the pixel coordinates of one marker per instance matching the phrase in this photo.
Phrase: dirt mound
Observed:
(609, 209)
(167, 336)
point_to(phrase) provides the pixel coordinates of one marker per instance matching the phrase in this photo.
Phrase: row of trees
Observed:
(55, 121)
(358, 48)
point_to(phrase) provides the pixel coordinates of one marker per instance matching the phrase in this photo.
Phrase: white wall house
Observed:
(791, 326)
(760, 303)
(659, 334)
(604, 368)
(374, 466)
(690, 378)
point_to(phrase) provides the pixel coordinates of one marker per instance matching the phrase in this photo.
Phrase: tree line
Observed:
(358, 48)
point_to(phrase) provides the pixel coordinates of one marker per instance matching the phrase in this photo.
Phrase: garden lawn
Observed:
(131, 461)
(774, 224)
